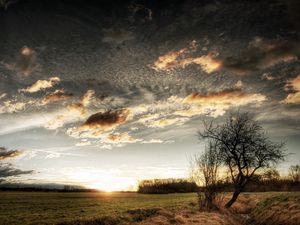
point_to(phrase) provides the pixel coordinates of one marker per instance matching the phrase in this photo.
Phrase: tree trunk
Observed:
(233, 199)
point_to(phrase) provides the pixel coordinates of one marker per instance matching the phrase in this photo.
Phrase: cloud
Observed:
(216, 103)
(160, 120)
(25, 62)
(238, 84)
(294, 85)
(119, 138)
(83, 143)
(41, 84)
(72, 112)
(3, 95)
(8, 154)
(84, 102)
(11, 106)
(107, 120)
(7, 170)
(117, 36)
(55, 123)
(153, 141)
(262, 54)
(267, 76)
(99, 123)
(14, 105)
(177, 59)
(56, 96)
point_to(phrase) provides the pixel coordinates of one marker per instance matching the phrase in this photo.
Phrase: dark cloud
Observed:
(109, 119)
(7, 154)
(7, 170)
(262, 54)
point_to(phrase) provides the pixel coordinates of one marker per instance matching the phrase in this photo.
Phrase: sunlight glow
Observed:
(107, 181)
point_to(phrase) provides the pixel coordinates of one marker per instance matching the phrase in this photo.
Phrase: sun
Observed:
(103, 180)
(114, 184)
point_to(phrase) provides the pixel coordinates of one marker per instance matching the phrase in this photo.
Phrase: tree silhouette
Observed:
(244, 148)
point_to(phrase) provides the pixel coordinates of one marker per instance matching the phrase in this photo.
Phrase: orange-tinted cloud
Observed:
(58, 95)
(178, 59)
(41, 84)
(216, 103)
(294, 85)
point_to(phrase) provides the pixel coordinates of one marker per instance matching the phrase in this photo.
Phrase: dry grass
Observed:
(190, 216)
(283, 209)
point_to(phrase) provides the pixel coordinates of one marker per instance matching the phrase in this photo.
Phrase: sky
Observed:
(103, 94)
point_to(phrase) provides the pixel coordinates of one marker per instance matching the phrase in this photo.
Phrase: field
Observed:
(132, 208)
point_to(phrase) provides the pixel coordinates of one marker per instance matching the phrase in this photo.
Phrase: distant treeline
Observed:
(44, 188)
(165, 186)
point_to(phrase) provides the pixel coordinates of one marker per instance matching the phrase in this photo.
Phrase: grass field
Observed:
(54, 207)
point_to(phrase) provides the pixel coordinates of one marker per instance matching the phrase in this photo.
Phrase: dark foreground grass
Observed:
(54, 207)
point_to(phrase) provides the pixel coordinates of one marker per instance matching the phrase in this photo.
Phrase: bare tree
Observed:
(271, 175)
(294, 173)
(244, 148)
(205, 171)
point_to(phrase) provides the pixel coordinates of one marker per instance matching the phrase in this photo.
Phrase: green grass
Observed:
(52, 207)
